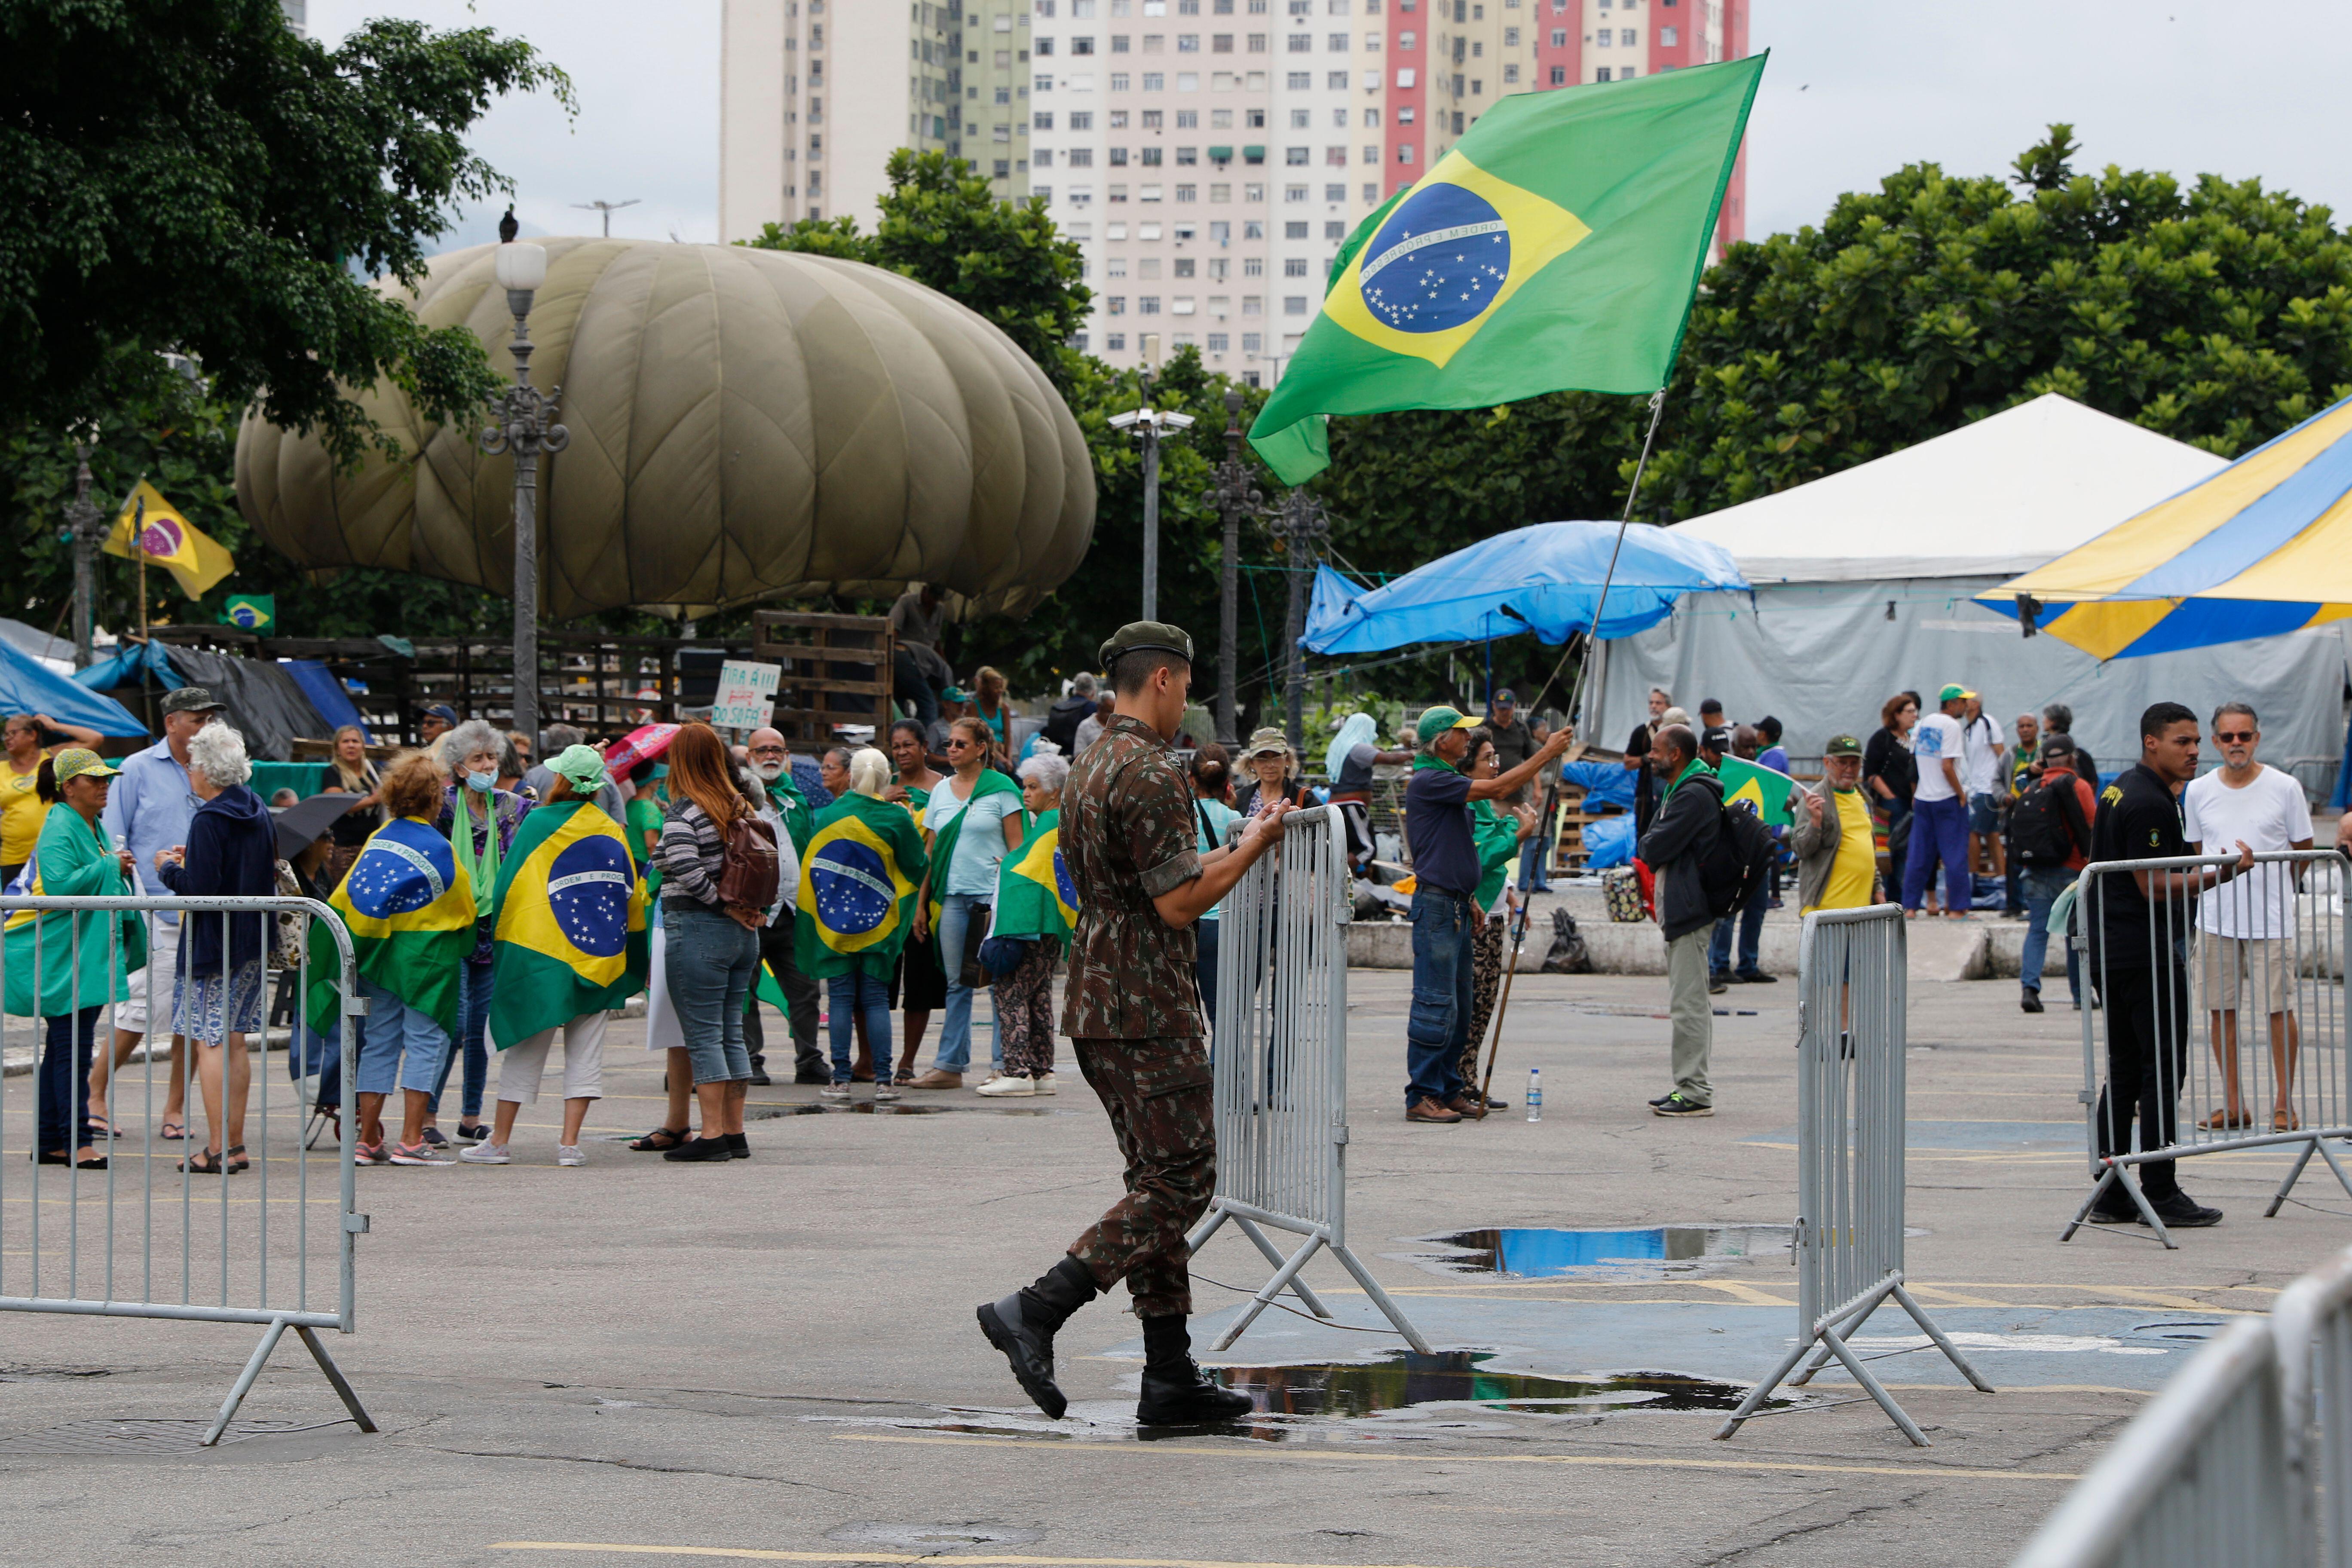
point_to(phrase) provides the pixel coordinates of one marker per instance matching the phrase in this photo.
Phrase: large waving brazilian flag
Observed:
(571, 931)
(1034, 895)
(409, 907)
(1557, 245)
(856, 900)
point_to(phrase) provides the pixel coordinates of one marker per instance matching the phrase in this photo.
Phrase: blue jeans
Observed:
(2041, 890)
(1535, 865)
(1204, 970)
(1437, 1030)
(846, 995)
(400, 1047)
(1751, 921)
(65, 1082)
(708, 961)
(473, 1024)
(955, 1052)
(1939, 831)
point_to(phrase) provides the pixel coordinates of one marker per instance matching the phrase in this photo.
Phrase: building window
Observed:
(1217, 341)
(1405, 152)
(1629, 37)
(1151, 156)
(1408, 41)
(1294, 266)
(1250, 343)
(1405, 78)
(1334, 230)
(1115, 268)
(1082, 120)
(1116, 304)
(1625, 73)
(1560, 75)
(1559, 38)
(1336, 156)
(1600, 75)
(1147, 192)
(1220, 44)
(1078, 342)
(1044, 48)
(1299, 43)
(1187, 43)
(1079, 157)
(1371, 192)
(1188, 192)
(1252, 305)
(1294, 193)
(1257, 43)
(1182, 305)
(1295, 156)
(1147, 304)
(1185, 156)
(1155, 43)
(1251, 228)
(1510, 73)
(1045, 158)
(1335, 192)
(1294, 304)
(1043, 120)
(1004, 95)
(1119, 43)
(1082, 45)
(1004, 168)
(1372, 152)
(1337, 44)
(1120, 81)
(1669, 37)
(1510, 38)
(1118, 157)
(1082, 196)
(1114, 193)
(1115, 342)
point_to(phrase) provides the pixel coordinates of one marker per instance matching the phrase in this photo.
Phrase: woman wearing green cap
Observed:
(65, 967)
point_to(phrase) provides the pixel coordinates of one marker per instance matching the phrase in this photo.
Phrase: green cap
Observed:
(1955, 692)
(1842, 746)
(583, 766)
(954, 694)
(1137, 636)
(1435, 721)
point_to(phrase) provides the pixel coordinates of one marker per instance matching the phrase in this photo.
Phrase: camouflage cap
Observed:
(1137, 636)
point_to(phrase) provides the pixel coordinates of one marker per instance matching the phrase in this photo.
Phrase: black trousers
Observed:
(800, 999)
(2148, 1060)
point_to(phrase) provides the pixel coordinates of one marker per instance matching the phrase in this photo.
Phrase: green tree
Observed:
(191, 175)
(941, 226)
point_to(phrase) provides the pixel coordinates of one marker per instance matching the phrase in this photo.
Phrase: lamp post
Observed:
(525, 427)
(1302, 527)
(1147, 424)
(1235, 497)
(86, 527)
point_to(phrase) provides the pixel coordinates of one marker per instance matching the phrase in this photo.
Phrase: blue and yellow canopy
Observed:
(2261, 548)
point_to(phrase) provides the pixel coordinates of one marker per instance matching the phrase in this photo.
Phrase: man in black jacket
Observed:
(1062, 721)
(1682, 834)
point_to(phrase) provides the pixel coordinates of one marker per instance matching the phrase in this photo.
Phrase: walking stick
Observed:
(1503, 1005)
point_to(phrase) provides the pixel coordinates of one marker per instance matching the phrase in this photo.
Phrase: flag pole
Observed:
(1641, 466)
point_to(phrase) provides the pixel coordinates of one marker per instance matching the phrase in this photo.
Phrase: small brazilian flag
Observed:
(856, 899)
(1769, 792)
(1557, 245)
(409, 907)
(1035, 896)
(569, 936)
(254, 612)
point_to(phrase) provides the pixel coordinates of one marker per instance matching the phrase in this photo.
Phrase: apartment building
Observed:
(1209, 156)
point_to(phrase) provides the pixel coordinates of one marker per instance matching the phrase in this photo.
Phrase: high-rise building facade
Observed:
(1209, 156)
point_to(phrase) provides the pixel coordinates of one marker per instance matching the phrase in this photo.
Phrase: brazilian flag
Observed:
(409, 907)
(943, 843)
(569, 936)
(1035, 896)
(1767, 791)
(858, 875)
(1557, 245)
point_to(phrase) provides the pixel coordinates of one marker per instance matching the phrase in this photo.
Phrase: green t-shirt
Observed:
(645, 817)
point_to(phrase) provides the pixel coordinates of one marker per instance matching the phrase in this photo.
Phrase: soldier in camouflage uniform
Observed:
(1132, 1013)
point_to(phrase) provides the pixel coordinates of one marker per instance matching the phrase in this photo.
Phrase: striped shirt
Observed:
(691, 853)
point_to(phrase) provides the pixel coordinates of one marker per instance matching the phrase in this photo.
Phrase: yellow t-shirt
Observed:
(20, 814)
(1857, 858)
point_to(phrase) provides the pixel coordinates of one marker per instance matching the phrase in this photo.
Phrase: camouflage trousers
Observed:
(1162, 1113)
(1487, 951)
(1024, 1013)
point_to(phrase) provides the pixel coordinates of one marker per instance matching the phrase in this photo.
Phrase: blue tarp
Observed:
(326, 694)
(1608, 842)
(122, 667)
(1604, 783)
(28, 686)
(1543, 579)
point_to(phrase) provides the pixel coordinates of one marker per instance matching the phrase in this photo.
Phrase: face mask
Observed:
(768, 770)
(480, 783)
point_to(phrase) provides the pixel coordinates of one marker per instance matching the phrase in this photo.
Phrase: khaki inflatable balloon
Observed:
(745, 425)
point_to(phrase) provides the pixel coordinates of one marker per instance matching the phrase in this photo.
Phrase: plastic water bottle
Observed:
(1535, 1094)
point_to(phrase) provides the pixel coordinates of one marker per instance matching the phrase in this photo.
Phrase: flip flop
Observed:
(102, 1125)
(659, 1140)
(173, 1132)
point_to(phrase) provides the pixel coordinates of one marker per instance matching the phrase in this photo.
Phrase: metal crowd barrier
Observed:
(2244, 1457)
(1852, 993)
(1281, 1065)
(2240, 984)
(146, 1237)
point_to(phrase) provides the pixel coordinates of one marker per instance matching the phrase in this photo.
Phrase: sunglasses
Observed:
(767, 751)
(2235, 737)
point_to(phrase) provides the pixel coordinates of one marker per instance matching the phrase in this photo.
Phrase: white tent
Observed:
(1863, 587)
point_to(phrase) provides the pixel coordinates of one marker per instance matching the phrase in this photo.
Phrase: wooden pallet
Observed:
(837, 670)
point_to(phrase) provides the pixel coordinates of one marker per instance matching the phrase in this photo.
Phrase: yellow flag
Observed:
(194, 557)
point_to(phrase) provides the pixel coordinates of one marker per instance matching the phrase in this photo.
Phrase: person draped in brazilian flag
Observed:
(409, 906)
(568, 946)
(922, 987)
(973, 819)
(856, 904)
(1036, 907)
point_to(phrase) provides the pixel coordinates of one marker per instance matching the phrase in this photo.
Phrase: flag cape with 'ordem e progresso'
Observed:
(856, 897)
(571, 931)
(409, 907)
(1556, 246)
(1034, 895)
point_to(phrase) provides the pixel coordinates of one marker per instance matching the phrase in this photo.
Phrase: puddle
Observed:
(2186, 1328)
(1647, 1252)
(867, 1108)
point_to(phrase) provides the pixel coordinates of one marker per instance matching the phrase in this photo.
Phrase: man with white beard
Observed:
(772, 763)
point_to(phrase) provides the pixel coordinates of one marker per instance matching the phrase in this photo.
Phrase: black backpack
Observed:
(2041, 825)
(1741, 858)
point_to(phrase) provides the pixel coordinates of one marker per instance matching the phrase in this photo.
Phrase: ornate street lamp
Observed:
(1147, 424)
(1237, 499)
(525, 427)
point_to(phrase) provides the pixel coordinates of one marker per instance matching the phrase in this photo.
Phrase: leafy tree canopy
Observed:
(191, 176)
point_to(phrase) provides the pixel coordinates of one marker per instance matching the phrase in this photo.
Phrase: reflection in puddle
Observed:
(1649, 1252)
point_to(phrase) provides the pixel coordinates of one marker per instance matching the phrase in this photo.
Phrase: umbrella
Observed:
(1543, 579)
(300, 825)
(2261, 548)
(642, 744)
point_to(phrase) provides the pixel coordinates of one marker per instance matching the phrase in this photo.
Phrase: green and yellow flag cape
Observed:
(1495, 838)
(857, 901)
(1035, 896)
(943, 843)
(571, 931)
(1767, 791)
(1557, 245)
(409, 907)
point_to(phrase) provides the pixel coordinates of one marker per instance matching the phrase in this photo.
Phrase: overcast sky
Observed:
(1855, 91)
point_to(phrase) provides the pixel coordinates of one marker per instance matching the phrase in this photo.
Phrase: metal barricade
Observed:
(1851, 1067)
(1281, 1047)
(2219, 1020)
(146, 1236)
(2312, 1328)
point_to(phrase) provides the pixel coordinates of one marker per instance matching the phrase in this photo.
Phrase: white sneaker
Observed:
(485, 1154)
(885, 1092)
(570, 1154)
(1008, 1088)
(834, 1091)
(1044, 1085)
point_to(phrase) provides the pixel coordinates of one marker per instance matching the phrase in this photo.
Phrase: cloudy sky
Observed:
(1855, 88)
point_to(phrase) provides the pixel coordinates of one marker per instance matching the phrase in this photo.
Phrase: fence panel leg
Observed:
(1274, 1254)
(269, 1338)
(335, 1376)
(1758, 1395)
(1951, 1352)
(1875, 1390)
(1268, 1291)
(2292, 1176)
(1354, 1265)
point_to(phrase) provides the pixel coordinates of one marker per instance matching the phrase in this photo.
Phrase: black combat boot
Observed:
(1022, 1326)
(1176, 1392)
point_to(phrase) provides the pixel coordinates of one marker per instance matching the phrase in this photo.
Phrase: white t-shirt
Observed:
(1935, 737)
(2269, 813)
(1981, 744)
